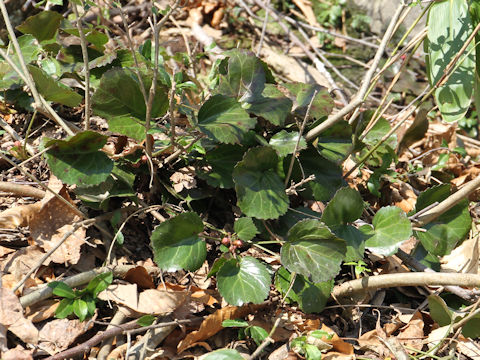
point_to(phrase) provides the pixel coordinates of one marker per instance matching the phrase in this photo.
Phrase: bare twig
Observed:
(21, 190)
(15, 136)
(268, 340)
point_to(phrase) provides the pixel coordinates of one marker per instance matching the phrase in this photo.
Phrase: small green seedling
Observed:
(257, 333)
(80, 302)
(360, 267)
(311, 346)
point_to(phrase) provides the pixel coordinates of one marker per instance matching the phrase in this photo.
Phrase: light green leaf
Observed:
(224, 120)
(64, 308)
(176, 244)
(245, 228)
(334, 144)
(234, 323)
(258, 334)
(80, 308)
(374, 135)
(243, 280)
(311, 297)
(391, 229)
(449, 26)
(284, 142)
(127, 126)
(222, 160)
(260, 190)
(313, 251)
(146, 320)
(43, 25)
(99, 283)
(224, 354)
(439, 310)
(52, 89)
(62, 289)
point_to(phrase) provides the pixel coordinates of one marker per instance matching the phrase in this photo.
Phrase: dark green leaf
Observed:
(62, 289)
(245, 228)
(311, 297)
(374, 135)
(64, 309)
(245, 77)
(313, 251)
(91, 306)
(345, 207)
(234, 323)
(272, 105)
(355, 241)
(53, 90)
(80, 309)
(146, 320)
(224, 354)
(43, 25)
(77, 160)
(284, 142)
(176, 244)
(222, 160)
(391, 229)
(335, 143)
(471, 329)
(258, 334)
(302, 95)
(99, 283)
(119, 95)
(127, 126)
(449, 26)
(217, 264)
(439, 310)
(224, 120)
(243, 280)
(260, 190)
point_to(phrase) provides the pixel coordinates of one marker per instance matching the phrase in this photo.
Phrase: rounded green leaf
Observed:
(313, 251)
(345, 207)
(284, 142)
(64, 308)
(224, 354)
(243, 281)
(449, 26)
(43, 25)
(224, 120)
(176, 244)
(62, 289)
(260, 190)
(245, 228)
(80, 308)
(127, 126)
(439, 310)
(234, 323)
(322, 105)
(99, 283)
(391, 229)
(272, 105)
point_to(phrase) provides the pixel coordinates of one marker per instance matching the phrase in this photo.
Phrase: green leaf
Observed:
(127, 126)
(302, 95)
(312, 352)
(245, 228)
(335, 143)
(176, 244)
(313, 251)
(234, 323)
(449, 229)
(391, 229)
(224, 354)
(64, 308)
(439, 310)
(449, 26)
(53, 90)
(43, 25)
(146, 320)
(224, 120)
(284, 142)
(119, 95)
(245, 79)
(374, 135)
(345, 207)
(258, 334)
(80, 309)
(99, 283)
(217, 264)
(311, 297)
(260, 190)
(222, 160)
(328, 175)
(355, 241)
(91, 306)
(62, 289)
(243, 280)
(471, 329)
(77, 160)
(272, 105)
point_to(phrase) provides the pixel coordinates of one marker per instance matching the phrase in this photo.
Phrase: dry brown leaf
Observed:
(18, 353)
(306, 7)
(213, 324)
(200, 277)
(11, 316)
(58, 334)
(199, 295)
(468, 348)
(53, 221)
(140, 276)
(463, 259)
(413, 332)
(18, 216)
(184, 178)
(338, 344)
(369, 341)
(20, 262)
(5, 251)
(41, 311)
(150, 301)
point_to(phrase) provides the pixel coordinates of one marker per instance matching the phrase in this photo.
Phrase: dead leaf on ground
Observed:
(18, 353)
(21, 261)
(213, 324)
(11, 316)
(306, 7)
(412, 334)
(41, 311)
(468, 348)
(58, 334)
(18, 216)
(140, 276)
(337, 343)
(150, 301)
(464, 258)
(184, 178)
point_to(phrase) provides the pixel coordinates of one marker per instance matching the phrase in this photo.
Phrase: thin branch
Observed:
(21, 190)
(5, 126)
(268, 340)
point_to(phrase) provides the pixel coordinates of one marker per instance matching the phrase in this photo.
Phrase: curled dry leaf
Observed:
(411, 335)
(18, 216)
(213, 324)
(57, 335)
(184, 179)
(140, 276)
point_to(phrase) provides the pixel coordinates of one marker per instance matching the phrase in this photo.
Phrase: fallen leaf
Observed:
(213, 324)
(140, 276)
(337, 343)
(464, 258)
(184, 179)
(18, 353)
(306, 8)
(413, 332)
(58, 334)
(41, 311)
(468, 348)
(18, 216)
